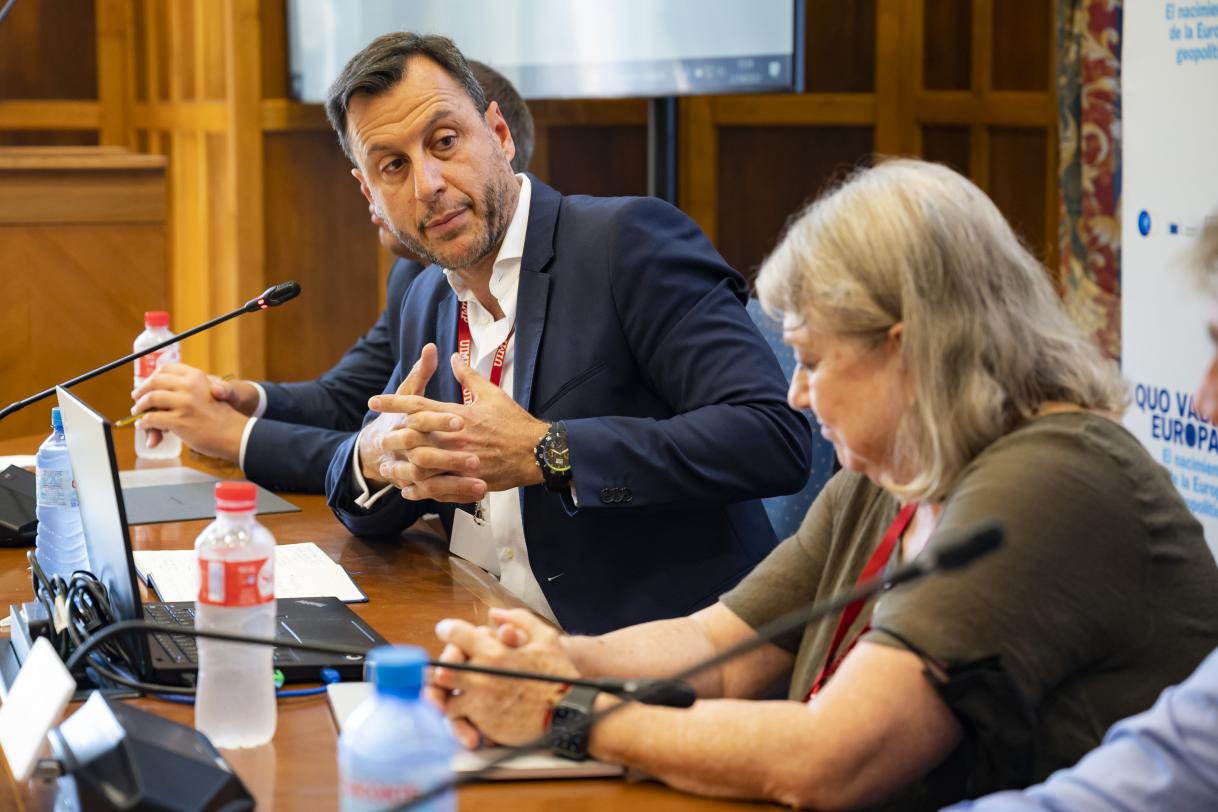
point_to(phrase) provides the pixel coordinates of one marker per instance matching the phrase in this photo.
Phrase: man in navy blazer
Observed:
(639, 416)
(299, 425)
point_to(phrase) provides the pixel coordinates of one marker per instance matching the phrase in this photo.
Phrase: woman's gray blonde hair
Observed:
(985, 340)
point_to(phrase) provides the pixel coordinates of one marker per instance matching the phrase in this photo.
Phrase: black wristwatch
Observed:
(553, 457)
(569, 723)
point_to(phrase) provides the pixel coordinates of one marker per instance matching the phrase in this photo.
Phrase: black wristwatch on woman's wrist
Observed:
(553, 457)
(569, 722)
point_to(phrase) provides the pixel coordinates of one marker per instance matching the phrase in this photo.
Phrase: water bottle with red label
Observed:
(156, 330)
(235, 703)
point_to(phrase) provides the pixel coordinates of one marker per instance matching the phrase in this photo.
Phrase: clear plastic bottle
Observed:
(61, 539)
(156, 330)
(235, 703)
(395, 746)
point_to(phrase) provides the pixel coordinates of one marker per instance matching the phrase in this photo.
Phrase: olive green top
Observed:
(1103, 594)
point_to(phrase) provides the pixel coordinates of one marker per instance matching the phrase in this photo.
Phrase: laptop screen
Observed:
(95, 467)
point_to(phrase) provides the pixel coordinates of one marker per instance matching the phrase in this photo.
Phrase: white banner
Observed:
(1169, 88)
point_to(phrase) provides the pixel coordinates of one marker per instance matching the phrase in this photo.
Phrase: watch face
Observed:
(557, 458)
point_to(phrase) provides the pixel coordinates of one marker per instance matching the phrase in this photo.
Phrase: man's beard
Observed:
(495, 196)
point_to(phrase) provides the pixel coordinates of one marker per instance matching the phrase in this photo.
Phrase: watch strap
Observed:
(569, 722)
(555, 436)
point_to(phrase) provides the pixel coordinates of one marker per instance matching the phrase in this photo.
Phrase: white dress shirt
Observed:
(506, 525)
(259, 411)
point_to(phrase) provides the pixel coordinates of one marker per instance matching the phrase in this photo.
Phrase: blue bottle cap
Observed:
(56, 419)
(397, 670)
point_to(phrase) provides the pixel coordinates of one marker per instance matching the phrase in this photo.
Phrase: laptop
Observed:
(172, 659)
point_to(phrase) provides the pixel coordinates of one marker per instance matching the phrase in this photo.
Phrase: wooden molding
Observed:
(49, 115)
(279, 115)
(1008, 108)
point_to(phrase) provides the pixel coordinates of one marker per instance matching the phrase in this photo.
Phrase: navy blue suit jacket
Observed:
(632, 330)
(291, 445)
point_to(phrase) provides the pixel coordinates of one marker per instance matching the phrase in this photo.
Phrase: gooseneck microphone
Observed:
(963, 547)
(271, 297)
(671, 693)
(959, 549)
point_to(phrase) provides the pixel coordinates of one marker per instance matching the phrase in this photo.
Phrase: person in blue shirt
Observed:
(1167, 757)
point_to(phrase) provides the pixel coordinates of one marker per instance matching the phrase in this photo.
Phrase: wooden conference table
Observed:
(411, 584)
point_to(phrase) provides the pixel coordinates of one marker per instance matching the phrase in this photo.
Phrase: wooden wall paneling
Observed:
(698, 163)
(982, 41)
(142, 57)
(160, 62)
(81, 240)
(275, 84)
(621, 114)
(768, 173)
(209, 55)
(801, 110)
(947, 144)
(34, 138)
(46, 114)
(48, 51)
(181, 35)
(840, 48)
(1022, 40)
(1052, 145)
(72, 306)
(898, 72)
(115, 75)
(190, 241)
(605, 160)
(1018, 175)
(317, 232)
(948, 57)
(245, 199)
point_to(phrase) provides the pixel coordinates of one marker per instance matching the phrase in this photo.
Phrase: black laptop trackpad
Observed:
(322, 620)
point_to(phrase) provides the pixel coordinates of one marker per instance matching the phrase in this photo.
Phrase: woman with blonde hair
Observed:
(938, 360)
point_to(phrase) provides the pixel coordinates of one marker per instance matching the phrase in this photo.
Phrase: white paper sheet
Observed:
(301, 571)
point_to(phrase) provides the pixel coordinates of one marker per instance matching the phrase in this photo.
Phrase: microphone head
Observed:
(970, 543)
(274, 296)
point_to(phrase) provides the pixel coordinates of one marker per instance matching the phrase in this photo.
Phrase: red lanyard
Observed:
(876, 563)
(465, 341)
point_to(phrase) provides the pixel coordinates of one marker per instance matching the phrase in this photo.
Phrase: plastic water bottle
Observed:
(235, 699)
(156, 330)
(395, 746)
(61, 539)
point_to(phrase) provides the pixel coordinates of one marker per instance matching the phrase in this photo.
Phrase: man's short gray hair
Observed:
(985, 339)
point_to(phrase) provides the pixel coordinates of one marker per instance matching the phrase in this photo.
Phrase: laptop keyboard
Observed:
(181, 648)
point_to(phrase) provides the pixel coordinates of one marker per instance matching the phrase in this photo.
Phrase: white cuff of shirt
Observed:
(261, 408)
(366, 499)
(245, 438)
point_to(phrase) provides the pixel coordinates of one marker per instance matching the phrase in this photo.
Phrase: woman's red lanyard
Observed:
(879, 559)
(465, 341)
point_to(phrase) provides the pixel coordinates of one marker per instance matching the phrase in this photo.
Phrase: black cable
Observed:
(4, 11)
(665, 692)
(971, 543)
(126, 626)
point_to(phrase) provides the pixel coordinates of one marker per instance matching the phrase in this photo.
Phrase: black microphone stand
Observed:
(971, 543)
(671, 693)
(968, 544)
(271, 297)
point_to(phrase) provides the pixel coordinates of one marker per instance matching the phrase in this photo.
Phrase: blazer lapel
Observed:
(533, 293)
(446, 387)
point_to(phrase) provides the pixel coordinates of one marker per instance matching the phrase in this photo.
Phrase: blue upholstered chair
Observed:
(787, 512)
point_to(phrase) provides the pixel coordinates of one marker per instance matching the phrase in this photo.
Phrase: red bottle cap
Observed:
(156, 318)
(235, 497)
